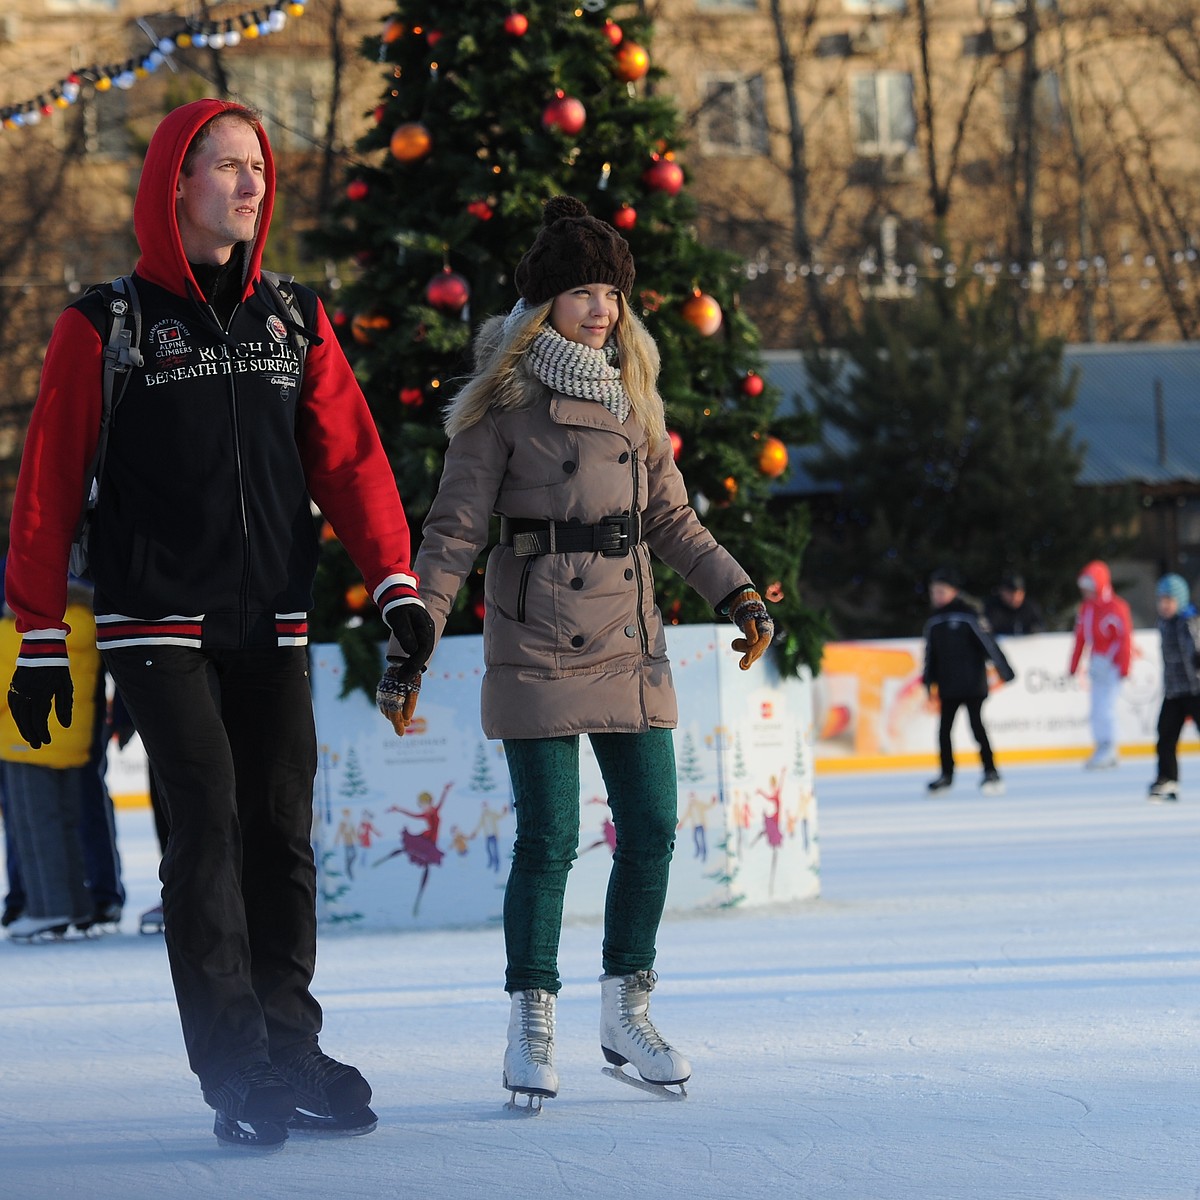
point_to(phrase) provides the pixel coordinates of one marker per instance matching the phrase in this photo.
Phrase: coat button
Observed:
(630, 631)
(628, 573)
(624, 457)
(568, 467)
(577, 583)
(577, 640)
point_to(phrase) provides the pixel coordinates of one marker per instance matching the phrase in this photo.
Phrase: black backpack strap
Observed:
(121, 354)
(284, 300)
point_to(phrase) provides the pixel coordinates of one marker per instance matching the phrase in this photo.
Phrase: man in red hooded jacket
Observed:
(203, 552)
(1104, 627)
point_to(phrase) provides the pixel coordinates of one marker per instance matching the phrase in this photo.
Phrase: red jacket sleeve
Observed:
(1124, 655)
(59, 446)
(348, 472)
(1077, 650)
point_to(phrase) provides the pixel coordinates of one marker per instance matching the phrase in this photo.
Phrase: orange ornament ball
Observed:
(410, 142)
(366, 327)
(357, 597)
(703, 313)
(631, 62)
(393, 31)
(772, 458)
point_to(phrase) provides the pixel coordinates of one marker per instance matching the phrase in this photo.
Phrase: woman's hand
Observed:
(397, 697)
(749, 614)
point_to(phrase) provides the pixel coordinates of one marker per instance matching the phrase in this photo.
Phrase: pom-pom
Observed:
(562, 206)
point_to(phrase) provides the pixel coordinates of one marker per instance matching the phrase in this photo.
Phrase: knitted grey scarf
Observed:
(577, 370)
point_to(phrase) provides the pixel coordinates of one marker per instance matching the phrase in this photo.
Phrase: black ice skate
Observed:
(151, 921)
(943, 783)
(253, 1107)
(992, 784)
(332, 1098)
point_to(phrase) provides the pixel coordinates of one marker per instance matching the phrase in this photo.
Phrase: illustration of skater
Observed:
(421, 848)
(366, 833)
(346, 837)
(458, 841)
(771, 829)
(608, 831)
(489, 827)
(694, 815)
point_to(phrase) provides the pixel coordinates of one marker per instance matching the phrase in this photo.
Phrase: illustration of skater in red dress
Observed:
(771, 829)
(421, 848)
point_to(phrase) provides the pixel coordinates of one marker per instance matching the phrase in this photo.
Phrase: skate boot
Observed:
(627, 1035)
(943, 783)
(529, 1059)
(992, 784)
(39, 929)
(1164, 790)
(253, 1107)
(1103, 758)
(331, 1097)
(151, 921)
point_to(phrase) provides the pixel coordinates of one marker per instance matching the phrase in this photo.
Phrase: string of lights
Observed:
(102, 77)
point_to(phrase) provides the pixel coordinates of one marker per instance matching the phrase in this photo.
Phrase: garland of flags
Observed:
(215, 35)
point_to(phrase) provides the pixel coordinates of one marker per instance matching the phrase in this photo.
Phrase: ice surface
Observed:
(993, 999)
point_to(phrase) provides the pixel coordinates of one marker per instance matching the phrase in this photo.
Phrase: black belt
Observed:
(613, 536)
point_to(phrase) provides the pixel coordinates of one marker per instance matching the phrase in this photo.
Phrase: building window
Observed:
(1047, 104)
(726, 3)
(70, 6)
(105, 128)
(733, 117)
(884, 119)
(290, 92)
(879, 7)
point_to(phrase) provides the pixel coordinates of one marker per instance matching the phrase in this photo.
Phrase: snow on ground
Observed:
(993, 999)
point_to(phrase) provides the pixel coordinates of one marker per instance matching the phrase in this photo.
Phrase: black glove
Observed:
(29, 698)
(413, 629)
(397, 697)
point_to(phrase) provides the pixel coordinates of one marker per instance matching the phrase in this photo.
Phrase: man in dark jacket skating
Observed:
(958, 646)
(203, 551)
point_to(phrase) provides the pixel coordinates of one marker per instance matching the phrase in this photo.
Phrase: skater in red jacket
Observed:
(1104, 627)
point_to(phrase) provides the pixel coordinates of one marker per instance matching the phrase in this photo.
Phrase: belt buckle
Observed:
(621, 525)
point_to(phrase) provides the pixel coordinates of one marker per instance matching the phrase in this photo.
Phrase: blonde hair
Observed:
(504, 380)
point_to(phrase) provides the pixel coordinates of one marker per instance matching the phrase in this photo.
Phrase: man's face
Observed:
(1013, 597)
(218, 204)
(941, 594)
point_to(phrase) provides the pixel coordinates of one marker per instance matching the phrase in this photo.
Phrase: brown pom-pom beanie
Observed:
(572, 248)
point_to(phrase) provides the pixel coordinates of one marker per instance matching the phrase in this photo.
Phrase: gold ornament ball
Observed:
(772, 458)
(630, 62)
(411, 142)
(702, 312)
(366, 326)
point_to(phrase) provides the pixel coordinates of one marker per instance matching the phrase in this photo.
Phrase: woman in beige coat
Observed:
(561, 433)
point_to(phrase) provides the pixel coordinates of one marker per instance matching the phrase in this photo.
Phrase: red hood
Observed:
(1100, 575)
(162, 260)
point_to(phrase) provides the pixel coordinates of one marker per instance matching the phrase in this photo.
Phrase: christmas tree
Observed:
(486, 113)
(950, 447)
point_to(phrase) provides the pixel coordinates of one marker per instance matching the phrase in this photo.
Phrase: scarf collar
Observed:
(575, 369)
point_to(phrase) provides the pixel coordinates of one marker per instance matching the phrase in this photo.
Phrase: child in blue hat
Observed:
(1179, 630)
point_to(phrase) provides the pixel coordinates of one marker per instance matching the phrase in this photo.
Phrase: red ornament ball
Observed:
(357, 189)
(448, 292)
(564, 113)
(516, 24)
(411, 142)
(625, 217)
(479, 609)
(412, 397)
(752, 384)
(339, 318)
(676, 444)
(433, 37)
(481, 210)
(703, 313)
(631, 62)
(613, 32)
(663, 175)
(772, 458)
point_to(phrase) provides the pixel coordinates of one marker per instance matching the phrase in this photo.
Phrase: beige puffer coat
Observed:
(573, 643)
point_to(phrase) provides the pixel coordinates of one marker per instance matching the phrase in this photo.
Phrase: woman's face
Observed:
(587, 314)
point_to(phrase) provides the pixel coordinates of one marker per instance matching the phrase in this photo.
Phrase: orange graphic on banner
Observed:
(869, 666)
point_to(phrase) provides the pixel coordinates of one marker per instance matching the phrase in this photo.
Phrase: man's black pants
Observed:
(974, 707)
(231, 740)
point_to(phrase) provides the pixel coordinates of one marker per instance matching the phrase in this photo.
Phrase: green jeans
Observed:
(639, 774)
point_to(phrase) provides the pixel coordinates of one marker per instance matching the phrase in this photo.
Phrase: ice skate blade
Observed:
(663, 1091)
(532, 1106)
(354, 1124)
(257, 1137)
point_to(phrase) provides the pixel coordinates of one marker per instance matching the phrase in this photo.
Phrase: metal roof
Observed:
(1136, 412)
